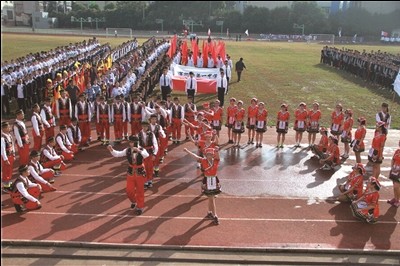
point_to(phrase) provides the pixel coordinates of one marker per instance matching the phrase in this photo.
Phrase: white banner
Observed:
(396, 84)
(183, 71)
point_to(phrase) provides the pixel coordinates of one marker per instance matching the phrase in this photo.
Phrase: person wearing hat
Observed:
(103, 120)
(300, 116)
(358, 142)
(48, 118)
(216, 119)
(37, 127)
(176, 119)
(21, 137)
(238, 125)
(137, 110)
(261, 123)
(346, 134)
(135, 176)
(252, 111)
(191, 85)
(313, 117)
(74, 135)
(50, 90)
(337, 118)
(352, 189)
(7, 155)
(384, 116)
(320, 149)
(190, 110)
(127, 109)
(332, 156)
(64, 109)
(40, 175)
(221, 88)
(149, 142)
(166, 84)
(63, 146)
(210, 184)
(230, 117)
(118, 115)
(49, 157)
(366, 208)
(394, 175)
(375, 154)
(282, 124)
(228, 70)
(239, 67)
(207, 111)
(83, 114)
(25, 194)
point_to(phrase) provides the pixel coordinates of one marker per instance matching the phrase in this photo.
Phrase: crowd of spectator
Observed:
(375, 67)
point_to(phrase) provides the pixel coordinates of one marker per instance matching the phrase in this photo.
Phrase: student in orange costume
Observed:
(332, 156)
(352, 189)
(230, 118)
(320, 149)
(394, 175)
(366, 208)
(337, 118)
(358, 142)
(238, 125)
(300, 122)
(216, 121)
(346, 134)
(50, 159)
(282, 124)
(83, 114)
(251, 119)
(261, 123)
(190, 110)
(210, 184)
(48, 118)
(63, 146)
(313, 118)
(375, 155)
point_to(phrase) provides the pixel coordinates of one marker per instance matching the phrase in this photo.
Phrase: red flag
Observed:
(195, 49)
(214, 52)
(184, 53)
(205, 53)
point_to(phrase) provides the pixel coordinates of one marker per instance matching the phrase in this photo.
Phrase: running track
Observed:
(272, 199)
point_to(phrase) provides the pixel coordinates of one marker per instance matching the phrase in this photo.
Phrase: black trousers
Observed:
(239, 73)
(221, 96)
(5, 105)
(191, 93)
(165, 90)
(21, 104)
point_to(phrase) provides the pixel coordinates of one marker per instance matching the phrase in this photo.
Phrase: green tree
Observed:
(110, 6)
(309, 15)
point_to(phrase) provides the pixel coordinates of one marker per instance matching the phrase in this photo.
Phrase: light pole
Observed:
(220, 23)
(160, 21)
(87, 20)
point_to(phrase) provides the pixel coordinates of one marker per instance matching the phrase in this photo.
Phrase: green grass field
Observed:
(276, 73)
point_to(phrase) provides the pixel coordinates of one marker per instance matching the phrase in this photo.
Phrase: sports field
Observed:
(276, 73)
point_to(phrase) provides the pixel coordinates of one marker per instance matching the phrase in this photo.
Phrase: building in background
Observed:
(100, 4)
(7, 13)
(377, 7)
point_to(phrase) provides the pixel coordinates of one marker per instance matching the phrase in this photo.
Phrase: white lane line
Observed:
(194, 196)
(200, 218)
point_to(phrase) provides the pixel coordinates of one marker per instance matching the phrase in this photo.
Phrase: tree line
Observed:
(141, 15)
